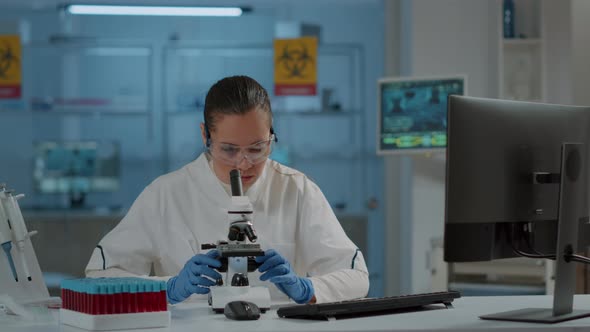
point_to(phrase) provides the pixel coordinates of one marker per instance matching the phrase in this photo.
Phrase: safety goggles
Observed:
(233, 155)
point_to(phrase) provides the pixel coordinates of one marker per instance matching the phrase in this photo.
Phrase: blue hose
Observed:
(7, 246)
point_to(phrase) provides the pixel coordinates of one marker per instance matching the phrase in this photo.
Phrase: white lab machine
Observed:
(21, 280)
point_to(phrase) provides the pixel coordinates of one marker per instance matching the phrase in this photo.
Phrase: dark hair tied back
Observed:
(234, 95)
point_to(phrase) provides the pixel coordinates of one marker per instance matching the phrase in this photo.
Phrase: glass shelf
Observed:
(12, 111)
(326, 157)
(57, 112)
(521, 75)
(94, 112)
(279, 112)
(87, 78)
(187, 112)
(317, 113)
(522, 41)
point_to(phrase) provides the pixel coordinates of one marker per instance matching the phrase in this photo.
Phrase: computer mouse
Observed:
(241, 310)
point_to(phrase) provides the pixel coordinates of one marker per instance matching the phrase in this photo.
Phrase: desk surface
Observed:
(191, 317)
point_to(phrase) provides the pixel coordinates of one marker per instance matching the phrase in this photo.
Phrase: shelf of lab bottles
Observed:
(109, 112)
(316, 113)
(522, 41)
(71, 114)
(327, 157)
(12, 111)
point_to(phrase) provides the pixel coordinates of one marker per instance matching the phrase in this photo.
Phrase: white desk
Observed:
(196, 317)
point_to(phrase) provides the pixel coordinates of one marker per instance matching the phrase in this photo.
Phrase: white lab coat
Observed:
(181, 210)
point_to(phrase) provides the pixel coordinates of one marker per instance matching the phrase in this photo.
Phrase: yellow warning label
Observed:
(295, 63)
(10, 67)
(10, 60)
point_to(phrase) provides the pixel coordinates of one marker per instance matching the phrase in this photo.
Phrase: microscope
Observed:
(237, 255)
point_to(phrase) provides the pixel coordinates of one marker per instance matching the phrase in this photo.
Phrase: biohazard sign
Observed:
(295, 66)
(10, 67)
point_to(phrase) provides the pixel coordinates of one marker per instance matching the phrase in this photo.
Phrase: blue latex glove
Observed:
(192, 278)
(277, 270)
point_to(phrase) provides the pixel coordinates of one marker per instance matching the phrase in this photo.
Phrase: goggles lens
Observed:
(233, 154)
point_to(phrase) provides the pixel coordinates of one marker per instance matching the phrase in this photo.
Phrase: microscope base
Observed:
(219, 296)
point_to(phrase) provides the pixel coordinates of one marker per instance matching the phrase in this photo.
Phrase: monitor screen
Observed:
(76, 166)
(412, 113)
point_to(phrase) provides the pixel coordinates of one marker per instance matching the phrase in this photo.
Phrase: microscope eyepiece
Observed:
(235, 180)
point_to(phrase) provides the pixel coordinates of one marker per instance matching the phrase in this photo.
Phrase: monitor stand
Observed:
(571, 204)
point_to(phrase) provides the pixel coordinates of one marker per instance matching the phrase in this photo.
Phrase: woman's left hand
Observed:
(277, 270)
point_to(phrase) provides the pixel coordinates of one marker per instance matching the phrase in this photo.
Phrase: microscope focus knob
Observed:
(236, 234)
(239, 279)
(250, 233)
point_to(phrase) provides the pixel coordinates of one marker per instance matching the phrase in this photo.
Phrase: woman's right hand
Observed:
(194, 277)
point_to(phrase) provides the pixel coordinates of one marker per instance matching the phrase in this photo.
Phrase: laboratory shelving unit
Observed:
(326, 144)
(82, 89)
(521, 76)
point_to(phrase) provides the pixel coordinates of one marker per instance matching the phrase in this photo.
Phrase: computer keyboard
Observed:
(367, 306)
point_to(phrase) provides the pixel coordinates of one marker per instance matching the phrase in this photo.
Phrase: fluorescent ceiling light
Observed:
(153, 10)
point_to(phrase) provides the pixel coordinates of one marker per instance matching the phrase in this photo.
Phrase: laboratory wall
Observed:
(445, 38)
(581, 51)
(559, 45)
(439, 38)
(150, 139)
(387, 38)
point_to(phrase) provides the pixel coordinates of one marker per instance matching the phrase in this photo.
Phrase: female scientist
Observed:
(308, 256)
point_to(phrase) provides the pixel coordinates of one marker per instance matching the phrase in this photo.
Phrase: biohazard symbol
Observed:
(294, 61)
(7, 59)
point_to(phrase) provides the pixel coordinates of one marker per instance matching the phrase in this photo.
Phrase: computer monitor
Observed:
(412, 113)
(517, 185)
(76, 168)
